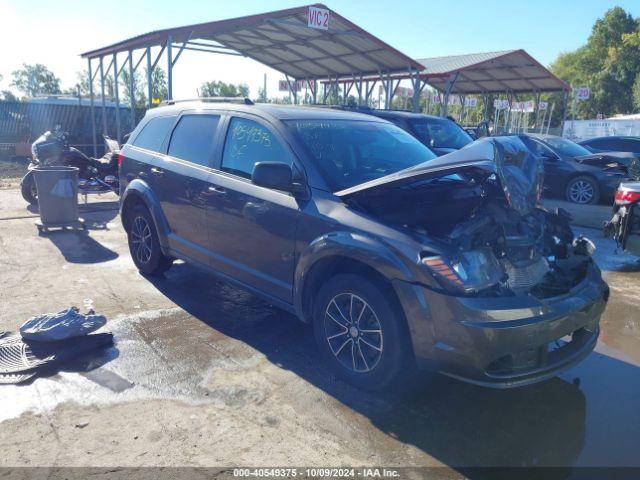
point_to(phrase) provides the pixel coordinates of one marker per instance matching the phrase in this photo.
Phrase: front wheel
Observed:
(28, 189)
(144, 245)
(361, 333)
(583, 190)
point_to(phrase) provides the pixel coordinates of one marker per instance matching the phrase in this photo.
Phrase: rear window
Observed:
(154, 133)
(192, 139)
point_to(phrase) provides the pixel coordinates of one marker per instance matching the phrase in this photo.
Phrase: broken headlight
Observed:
(467, 272)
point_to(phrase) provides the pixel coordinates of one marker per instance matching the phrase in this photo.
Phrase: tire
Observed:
(143, 243)
(582, 190)
(368, 360)
(28, 189)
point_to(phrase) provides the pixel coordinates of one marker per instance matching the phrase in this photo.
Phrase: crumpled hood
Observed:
(520, 172)
(625, 158)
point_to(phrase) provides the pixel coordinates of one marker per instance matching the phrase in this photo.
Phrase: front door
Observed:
(253, 229)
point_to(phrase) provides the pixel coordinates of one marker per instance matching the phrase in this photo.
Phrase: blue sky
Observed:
(65, 28)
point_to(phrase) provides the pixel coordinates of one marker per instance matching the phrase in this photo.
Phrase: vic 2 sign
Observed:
(318, 18)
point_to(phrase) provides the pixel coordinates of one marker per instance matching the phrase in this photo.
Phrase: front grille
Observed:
(534, 358)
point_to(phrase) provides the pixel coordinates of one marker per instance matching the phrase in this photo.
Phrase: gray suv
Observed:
(398, 258)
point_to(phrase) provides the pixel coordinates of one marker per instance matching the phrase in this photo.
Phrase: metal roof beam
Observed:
(282, 60)
(346, 45)
(207, 50)
(298, 39)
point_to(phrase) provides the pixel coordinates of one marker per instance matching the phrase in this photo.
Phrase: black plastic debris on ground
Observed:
(54, 327)
(21, 360)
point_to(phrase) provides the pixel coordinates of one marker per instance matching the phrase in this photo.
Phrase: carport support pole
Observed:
(132, 91)
(104, 107)
(93, 118)
(169, 69)
(149, 79)
(117, 95)
(415, 83)
(444, 106)
(537, 111)
(565, 99)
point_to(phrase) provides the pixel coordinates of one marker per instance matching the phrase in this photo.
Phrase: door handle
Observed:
(157, 171)
(217, 190)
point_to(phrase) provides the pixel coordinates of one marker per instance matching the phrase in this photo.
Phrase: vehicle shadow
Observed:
(461, 425)
(79, 247)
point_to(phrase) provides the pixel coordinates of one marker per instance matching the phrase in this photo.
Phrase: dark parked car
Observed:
(574, 173)
(441, 135)
(397, 258)
(614, 143)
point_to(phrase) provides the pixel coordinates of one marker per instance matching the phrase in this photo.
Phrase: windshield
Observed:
(440, 133)
(566, 147)
(351, 152)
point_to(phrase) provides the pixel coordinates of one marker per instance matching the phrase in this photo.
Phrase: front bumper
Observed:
(504, 342)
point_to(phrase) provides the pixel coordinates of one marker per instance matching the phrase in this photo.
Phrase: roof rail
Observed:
(243, 100)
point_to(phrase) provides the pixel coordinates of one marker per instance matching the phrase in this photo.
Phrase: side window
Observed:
(192, 139)
(539, 149)
(247, 143)
(601, 144)
(154, 133)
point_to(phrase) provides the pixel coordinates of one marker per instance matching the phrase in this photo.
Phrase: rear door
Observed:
(183, 179)
(253, 228)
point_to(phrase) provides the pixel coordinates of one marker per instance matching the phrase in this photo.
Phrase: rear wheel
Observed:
(583, 190)
(143, 243)
(28, 189)
(360, 333)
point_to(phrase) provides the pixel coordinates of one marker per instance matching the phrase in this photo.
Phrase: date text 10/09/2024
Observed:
(316, 472)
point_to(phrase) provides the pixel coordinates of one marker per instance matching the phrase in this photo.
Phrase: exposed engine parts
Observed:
(538, 252)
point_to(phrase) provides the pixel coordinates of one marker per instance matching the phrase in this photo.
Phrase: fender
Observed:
(382, 258)
(141, 190)
(365, 249)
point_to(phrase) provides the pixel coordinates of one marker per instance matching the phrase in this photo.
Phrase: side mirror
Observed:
(548, 156)
(276, 175)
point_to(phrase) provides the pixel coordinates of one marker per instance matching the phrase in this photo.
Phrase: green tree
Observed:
(159, 89)
(217, 88)
(138, 89)
(608, 64)
(35, 80)
(636, 92)
(262, 95)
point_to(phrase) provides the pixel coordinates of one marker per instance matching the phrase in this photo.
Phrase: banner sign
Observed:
(318, 18)
(582, 93)
(585, 129)
(470, 102)
(499, 104)
(404, 92)
(283, 85)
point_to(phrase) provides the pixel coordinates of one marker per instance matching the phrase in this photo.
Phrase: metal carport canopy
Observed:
(513, 71)
(283, 41)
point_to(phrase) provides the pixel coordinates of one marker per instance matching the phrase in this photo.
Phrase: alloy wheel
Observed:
(354, 333)
(141, 243)
(581, 191)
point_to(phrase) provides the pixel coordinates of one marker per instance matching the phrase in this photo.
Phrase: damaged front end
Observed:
(477, 209)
